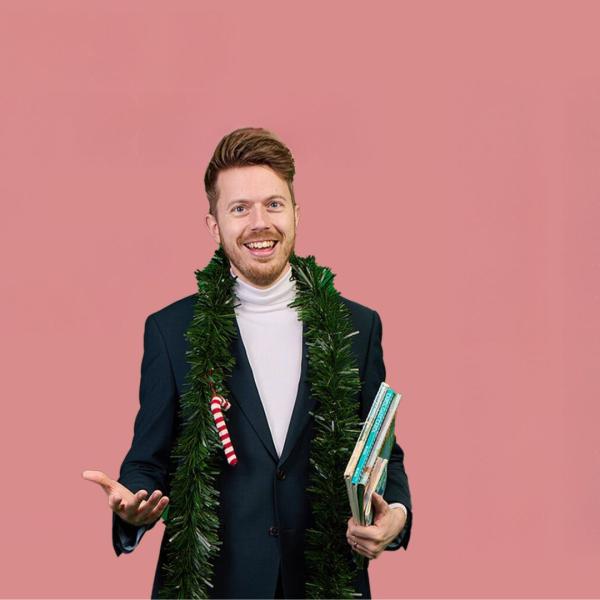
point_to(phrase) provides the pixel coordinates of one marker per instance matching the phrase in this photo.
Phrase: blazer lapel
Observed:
(244, 393)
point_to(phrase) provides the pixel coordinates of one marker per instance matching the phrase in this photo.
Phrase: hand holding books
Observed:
(366, 472)
(371, 540)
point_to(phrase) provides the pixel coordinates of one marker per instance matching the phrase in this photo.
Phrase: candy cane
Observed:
(217, 402)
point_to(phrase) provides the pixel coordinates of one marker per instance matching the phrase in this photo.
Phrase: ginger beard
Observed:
(259, 268)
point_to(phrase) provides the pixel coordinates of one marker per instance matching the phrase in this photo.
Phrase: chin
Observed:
(261, 274)
(262, 277)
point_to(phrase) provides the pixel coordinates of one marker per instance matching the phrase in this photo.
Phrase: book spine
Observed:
(390, 420)
(365, 430)
(389, 396)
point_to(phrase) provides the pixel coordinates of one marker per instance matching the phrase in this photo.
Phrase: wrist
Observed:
(399, 505)
(401, 513)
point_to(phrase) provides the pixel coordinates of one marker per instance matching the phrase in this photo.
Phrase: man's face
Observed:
(254, 205)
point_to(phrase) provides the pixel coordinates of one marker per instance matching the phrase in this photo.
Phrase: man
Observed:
(264, 510)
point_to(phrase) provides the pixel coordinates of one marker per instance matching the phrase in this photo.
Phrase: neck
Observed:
(234, 271)
(266, 299)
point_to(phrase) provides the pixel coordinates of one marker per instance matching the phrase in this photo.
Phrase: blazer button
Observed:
(274, 531)
(280, 474)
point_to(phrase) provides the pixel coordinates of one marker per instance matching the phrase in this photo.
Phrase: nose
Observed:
(259, 218)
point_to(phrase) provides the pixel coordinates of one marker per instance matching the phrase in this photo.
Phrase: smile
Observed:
(261, 248)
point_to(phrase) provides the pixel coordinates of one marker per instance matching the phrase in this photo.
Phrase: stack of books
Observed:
(366, 471)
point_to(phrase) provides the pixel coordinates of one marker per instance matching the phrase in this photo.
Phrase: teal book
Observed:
(373, 433)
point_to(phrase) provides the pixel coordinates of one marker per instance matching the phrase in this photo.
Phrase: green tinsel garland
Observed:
(192, 524)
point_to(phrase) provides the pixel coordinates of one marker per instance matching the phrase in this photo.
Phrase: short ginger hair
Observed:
(246, 147)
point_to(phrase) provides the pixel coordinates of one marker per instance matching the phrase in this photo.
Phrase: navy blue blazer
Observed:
(264, 508)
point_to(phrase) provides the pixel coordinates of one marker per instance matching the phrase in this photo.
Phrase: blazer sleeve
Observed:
(397, 488)
(146, 463)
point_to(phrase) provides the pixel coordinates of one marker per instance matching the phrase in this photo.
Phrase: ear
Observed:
(213, 228)
(297, 214)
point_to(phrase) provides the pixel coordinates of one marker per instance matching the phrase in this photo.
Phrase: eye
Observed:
(276, 202)
(234, 209)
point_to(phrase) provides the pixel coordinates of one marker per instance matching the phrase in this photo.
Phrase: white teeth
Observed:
(269, 244)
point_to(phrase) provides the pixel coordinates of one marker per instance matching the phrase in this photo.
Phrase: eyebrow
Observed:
(275, 196)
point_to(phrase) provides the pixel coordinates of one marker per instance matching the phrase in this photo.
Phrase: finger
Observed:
(149, 505)
(131, 508)
(380, 507)
(114, 501)
(139, 497)
(360, 549)
(370, 544)
(369, 538)
(365, 550)
(137, 500)
(152, 500)
(154, 507)
(99, 477)
(355, 542)
(119, 504)
(369, 532)
(157, 511)
(378, 499)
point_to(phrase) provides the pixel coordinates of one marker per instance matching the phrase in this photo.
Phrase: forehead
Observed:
(250, 183)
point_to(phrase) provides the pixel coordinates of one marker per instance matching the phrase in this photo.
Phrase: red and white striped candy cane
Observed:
(216, 403)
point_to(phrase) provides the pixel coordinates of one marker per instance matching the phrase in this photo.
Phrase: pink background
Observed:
(448, 170)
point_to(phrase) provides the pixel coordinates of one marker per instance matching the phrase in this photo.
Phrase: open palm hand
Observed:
(136, 509)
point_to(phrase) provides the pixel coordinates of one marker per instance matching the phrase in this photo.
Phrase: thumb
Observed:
(379, 504)
(100, 478)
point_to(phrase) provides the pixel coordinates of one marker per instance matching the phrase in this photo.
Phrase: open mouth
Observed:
(262, 248)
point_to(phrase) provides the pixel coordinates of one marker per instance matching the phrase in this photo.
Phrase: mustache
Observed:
(260, 240)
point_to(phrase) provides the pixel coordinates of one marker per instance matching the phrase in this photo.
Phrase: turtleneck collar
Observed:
(275, 297)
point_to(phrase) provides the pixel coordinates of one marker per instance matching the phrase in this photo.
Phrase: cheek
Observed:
(231, 235)
(285, 226)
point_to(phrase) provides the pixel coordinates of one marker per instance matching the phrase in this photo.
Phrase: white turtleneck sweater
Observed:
(272, 336)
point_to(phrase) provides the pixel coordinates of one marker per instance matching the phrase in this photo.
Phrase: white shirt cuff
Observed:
(400, 505)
